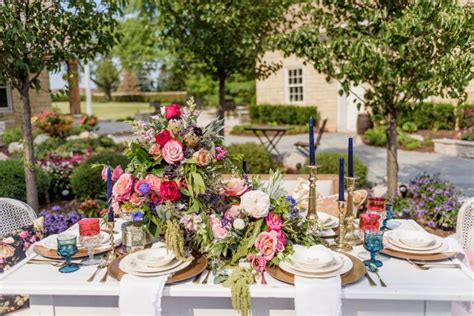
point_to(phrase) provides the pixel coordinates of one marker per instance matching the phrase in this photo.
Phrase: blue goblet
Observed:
(388, 215)
(373, 242)
(67, 247)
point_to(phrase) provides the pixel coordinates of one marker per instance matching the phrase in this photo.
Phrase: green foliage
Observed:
(409, 127)
(106, 76)
(282, 114)
(163, 97)
(65, 147)
(465, 114)
(428, 116)
(11, 135)
(258, 159)
(239, 282)
(86, 180)
(292, 130)
(468, 135)
(376, 136)
(328, 163)
(407, 142)
(13, 186)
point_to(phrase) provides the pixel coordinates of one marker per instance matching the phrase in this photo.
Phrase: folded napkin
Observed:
(463, 258)
(318, 297)
(141, 296)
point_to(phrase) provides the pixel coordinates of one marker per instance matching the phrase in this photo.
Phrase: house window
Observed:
(5, 97)
(295, 85)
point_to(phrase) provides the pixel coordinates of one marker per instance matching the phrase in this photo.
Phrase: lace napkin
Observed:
(318, 297)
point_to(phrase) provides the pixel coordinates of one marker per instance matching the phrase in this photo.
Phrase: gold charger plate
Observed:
(198, 265)
(353, 275)
(418, 257)
(53, 254)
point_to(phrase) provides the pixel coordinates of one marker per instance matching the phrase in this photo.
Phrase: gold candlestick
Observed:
(312, 199)
(351, 237)
(112, 252)
(341, 244)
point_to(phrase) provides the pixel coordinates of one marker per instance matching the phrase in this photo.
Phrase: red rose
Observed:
(169, 191)
(172, 110)
(163, 137)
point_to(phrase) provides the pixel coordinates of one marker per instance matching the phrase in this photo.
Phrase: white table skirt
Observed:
(410, 291)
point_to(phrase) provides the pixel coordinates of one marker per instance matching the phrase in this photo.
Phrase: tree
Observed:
(73, 86)
(36, 36)
(106, 76)
(220, 38)
(400, 51)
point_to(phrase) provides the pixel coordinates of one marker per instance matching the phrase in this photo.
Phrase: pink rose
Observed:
(155, 151)
(259, 263)
(266, 244)
(123, 187)
(154, 182)
(23, 234)
(281, 240)
(203, 157)
(172, 110)
(234, 187)
(219, 232)
(136, 199)
(172, 152)
(232, 212)
(213, 220)
(118, 171)
(273, 221)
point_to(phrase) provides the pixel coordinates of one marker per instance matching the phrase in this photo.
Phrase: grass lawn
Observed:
(109, 110)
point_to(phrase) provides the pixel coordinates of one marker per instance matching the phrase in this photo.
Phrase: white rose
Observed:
(255, 203)
(239, 224)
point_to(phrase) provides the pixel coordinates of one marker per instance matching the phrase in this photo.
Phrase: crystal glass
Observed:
(373, 242)
(89, 237)
(368, 221)
(67, 247)
(133, 236)
(388, 215)
(376, 205)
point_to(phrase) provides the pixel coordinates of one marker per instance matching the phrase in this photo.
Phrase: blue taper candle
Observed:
(341, 179)
(312, 157)
(350, 162)
(110, 214)
(244, 166)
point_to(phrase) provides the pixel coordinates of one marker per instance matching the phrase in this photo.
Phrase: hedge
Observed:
(282, 114)
(465, 114)
(428, 116)
(163, 97)
(258, 158)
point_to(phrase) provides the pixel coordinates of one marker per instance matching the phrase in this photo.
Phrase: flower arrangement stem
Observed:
(174, 239)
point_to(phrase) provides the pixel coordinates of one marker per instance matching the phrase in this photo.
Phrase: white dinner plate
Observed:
(400, 244)
(333, 223)
(337, 264)
(346, 266)
(444, 247)
(131, 264)
(125, 268)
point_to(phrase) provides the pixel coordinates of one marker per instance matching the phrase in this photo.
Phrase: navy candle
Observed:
(244, 166)
(109, 195)
(350, 162)
(341, 179)
(312, 158)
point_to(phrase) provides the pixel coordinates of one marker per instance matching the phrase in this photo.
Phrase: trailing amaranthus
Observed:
(174, 239)
(239, 282)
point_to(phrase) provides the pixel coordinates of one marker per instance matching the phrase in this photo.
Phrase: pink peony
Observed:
(23, 234)
(136, 199)
(232, 212)
(154, 182)
(273, 221)
(234, 187)
(172, 111)
(123, 187)
(118, 171)
(257, 262)
(172, 152)
(266, 244)
(155, 151)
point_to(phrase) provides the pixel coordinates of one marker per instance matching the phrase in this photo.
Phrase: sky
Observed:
(56, 81)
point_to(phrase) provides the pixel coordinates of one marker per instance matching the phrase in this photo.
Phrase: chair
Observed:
(465, 225)
(14, 215)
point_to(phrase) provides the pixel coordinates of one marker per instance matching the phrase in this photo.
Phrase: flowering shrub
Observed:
(56, 221)
(88, 122)
(92, 208)
(431, 200)
(52, 123)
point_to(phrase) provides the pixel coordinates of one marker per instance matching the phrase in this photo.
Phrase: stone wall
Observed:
(454, 147)
(316, 91)
(40, 101)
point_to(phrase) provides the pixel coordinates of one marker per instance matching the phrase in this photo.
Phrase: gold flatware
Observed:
(198, 278)
(373, 268)
(104, 278)
(102, 264)
(206, 277)
(369, 278)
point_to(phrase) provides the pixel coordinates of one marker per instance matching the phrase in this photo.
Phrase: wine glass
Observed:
(373, 242)
(368, 221)
(67, 247)
(388, 215)
(89, 237)
(376, 205)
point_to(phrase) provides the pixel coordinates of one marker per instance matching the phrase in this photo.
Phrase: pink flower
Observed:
(155, 150)
(234, 187)
(273, 221)
(123, 187)
(104, 173)
(220, 153)
(281, 240)
(118, 171)
(266, 244)
(258, 262)
(136, 199)
(172, 152)
(23, 234)
(172, 110)
(213, 220)
(154, 182)
(219, 232)
(232, 212)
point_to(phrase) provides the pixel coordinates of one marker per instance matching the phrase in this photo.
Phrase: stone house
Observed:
(11, 105)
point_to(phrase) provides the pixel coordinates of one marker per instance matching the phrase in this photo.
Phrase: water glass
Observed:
(89, 237)
(67, 247)
(373, 242)
(388, 215)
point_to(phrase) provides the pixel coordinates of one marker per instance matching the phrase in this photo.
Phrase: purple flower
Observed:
(432, 224)
(55, 208)
(144, 188)
(137, 216)
(291, 200)
(220, 153)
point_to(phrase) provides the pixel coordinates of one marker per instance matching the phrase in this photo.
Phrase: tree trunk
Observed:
(74, 91)
(108, 92)
(221, 110)
(28, 153)
(392, 161)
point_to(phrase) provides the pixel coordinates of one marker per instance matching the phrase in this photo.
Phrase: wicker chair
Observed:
(465, 225)
(14, 215)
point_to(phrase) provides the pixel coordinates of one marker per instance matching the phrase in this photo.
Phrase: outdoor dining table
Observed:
(410, 291)
(273, 135)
